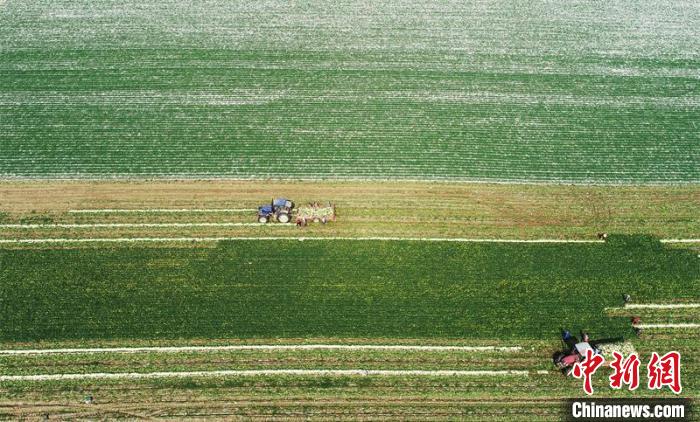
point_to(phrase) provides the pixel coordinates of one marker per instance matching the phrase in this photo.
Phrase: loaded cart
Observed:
(282, 210)
(315, 212)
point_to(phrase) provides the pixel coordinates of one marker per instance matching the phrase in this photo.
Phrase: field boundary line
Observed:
(175, 349)
(254, 372)
(661, 305)
(232, 238)
(118, 225)
(683, 325)
(301, 239)
(155, 176)
(160, 210)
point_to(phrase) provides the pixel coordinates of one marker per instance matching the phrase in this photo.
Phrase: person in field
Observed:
(576, 349)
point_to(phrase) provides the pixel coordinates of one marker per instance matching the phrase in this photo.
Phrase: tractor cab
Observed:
(582, 347)
(282, 203)
(279, 209)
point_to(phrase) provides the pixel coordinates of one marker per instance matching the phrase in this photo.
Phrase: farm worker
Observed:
(571, 340)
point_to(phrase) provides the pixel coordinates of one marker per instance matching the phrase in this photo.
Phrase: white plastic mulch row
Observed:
(661, 305)
(175, 349)
(218, 239)
(681, 325)
(120, 225)
(160, 210)
(244, 373)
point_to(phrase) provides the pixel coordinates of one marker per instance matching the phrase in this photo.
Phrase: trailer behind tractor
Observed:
(283, 210)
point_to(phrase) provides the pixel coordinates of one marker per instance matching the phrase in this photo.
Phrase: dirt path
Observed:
(388, 209)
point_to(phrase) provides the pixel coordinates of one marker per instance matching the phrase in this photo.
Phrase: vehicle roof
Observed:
(582, 347)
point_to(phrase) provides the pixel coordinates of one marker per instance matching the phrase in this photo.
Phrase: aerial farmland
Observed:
(499, 171)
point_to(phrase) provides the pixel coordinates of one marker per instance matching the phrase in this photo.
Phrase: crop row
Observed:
(536, 29)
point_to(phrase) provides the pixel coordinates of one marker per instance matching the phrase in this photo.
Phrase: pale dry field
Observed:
(46, 209)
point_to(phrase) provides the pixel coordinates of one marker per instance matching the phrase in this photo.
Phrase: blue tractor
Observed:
(280, 210)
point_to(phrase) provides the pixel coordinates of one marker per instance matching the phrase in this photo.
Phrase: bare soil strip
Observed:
(397, 209)
(175, 349)
(247, 373)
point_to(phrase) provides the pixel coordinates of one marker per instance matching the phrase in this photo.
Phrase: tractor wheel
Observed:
(283, 218)
(557, 357)
(262, 219)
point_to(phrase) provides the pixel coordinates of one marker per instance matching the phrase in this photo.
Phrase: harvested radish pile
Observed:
(313, 212)
(625, 349)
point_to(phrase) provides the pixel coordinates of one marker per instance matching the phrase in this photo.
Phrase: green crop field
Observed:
(249, 289)
(511, 300)
(148, 289)
(503, 90)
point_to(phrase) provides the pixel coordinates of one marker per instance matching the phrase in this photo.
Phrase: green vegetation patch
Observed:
(376, 289)
(382, 89)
